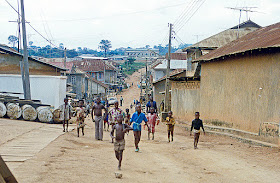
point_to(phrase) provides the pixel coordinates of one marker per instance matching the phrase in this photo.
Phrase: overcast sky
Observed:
(129, 22)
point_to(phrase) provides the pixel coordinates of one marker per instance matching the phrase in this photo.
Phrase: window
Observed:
(73, 80)
(100, 75)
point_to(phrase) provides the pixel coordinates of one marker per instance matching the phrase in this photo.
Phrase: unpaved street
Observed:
(218, 159)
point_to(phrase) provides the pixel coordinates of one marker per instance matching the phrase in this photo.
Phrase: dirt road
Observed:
(218, 159)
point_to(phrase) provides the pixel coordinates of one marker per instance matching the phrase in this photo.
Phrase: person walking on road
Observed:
(121, 101)
(65, 113)
(98, 119)
(170, 122)
(113, 113)
(151, 104)
(137, 119)
(81, 115)
(119, 144)
(196, 125)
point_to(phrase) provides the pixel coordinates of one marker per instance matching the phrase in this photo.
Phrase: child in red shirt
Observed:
(152, 121)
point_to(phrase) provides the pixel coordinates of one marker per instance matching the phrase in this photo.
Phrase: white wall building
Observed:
(142, 53)
(159, 71)
(49, 89)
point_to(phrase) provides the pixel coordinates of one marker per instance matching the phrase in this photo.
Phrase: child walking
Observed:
(170, 122)
(127, 116)
(119, 144)
(137, 119)
(196, 125)
(152, 118)
(81, 114)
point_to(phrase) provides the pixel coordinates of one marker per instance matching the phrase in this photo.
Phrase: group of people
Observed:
(115, 117)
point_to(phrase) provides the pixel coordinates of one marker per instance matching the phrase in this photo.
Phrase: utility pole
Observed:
(104, 75)
(141, 84)
(26, 83)
(167, 106)
(65, 60)
(146, 97)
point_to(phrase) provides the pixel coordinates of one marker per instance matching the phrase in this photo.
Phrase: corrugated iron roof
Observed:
(262, 38)
(225, 37)
(69, 65)
(93, 65)
(9, 50)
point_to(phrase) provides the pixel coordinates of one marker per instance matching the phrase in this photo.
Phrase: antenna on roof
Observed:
(240, 9)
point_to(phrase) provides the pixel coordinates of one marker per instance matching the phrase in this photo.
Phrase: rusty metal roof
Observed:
(224, 37)
(8, 50)
(93, 65)
(263, 38)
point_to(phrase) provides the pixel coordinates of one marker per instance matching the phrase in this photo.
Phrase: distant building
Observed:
(99, 69)
(142, 53)
(159, 71)
(85, 86)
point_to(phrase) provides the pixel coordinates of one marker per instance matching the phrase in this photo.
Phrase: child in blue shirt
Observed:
(136, 121)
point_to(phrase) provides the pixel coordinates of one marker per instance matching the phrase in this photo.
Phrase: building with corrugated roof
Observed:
(216, 41)
(240, 82)
(46, 82)
(187, 89)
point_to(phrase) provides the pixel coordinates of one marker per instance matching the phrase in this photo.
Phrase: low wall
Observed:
(185, 97)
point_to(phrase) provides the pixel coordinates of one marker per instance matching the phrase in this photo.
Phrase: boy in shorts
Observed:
(119, 144)
(196, 124)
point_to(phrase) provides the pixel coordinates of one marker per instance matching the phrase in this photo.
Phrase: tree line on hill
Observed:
(105, 45)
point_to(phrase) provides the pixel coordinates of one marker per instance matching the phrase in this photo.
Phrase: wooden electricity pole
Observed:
(26, 83)
(167, 104)
(146, 97)
(65, 60)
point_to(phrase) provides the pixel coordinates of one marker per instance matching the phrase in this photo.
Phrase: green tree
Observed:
(61, 46)
(12, 40)
(105, 45)
(130, 60)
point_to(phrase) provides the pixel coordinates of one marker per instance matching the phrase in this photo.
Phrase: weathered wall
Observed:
(244, 91)
(96, 88)
(9, 64)
(185, 97)
(49, 89)
(159, 87)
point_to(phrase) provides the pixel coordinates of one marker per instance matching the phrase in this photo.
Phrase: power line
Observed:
(31, 25)
(184, 12)
(186, 20)
(187, 12)
(122, 14)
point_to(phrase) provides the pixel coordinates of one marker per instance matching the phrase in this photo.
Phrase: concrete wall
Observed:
(185, 97)
(49, 89)
(243, 91)
(10, 64)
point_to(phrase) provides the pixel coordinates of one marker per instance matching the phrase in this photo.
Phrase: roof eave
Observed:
(237, 54)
